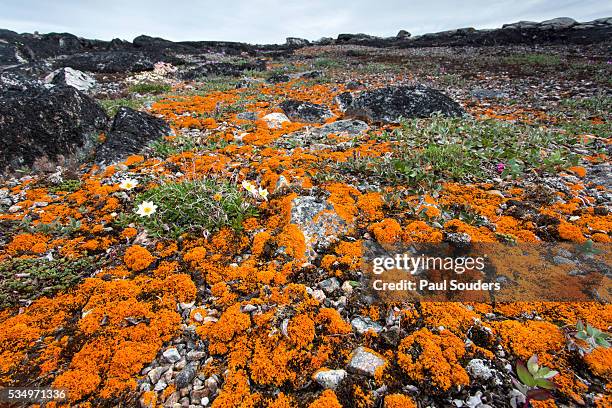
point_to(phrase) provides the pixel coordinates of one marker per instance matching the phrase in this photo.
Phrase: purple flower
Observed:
(500, 167)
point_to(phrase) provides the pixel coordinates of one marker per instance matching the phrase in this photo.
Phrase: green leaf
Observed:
(582, 335)
(524, 375)
(579, 325)
(603, 342)
(546, 384)
(532, 364)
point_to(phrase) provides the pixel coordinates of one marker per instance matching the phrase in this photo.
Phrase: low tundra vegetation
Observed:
(194, 206)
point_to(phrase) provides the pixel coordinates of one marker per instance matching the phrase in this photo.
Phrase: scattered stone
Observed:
(330, 285)
(365, 362)
(187, 374)
(172, 355)
(247, 116)
(275, 120)
(278, 78)
(362, 325)
(156, 373)
(329, 379)
(479, 370)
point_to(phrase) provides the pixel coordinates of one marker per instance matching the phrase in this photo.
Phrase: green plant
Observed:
(533, 381)
(69, 186)
(431, 150)
(592, 336)
(149, 88)
(533, 59)
(111, 106)
(23, 280)
(195, 206)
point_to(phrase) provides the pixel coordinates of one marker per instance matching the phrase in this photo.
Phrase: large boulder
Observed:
(113, 61)
(297, 42)
(41, 126)
(300, 111)
(130, 132)
(389, 105)
(71, 77)
(221, 69)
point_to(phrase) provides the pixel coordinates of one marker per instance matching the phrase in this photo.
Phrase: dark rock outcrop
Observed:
(222, 69)
(389, 105)
(278, 78)
(45, 125)
(112, 61)
(130, 132)
(297, 42)
(300, 111)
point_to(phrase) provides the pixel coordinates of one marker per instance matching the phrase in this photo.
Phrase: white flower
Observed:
(128, 184)
(146, 209)
(249, 187)
(263, 193)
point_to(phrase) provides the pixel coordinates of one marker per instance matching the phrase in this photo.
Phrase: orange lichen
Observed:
(435, 358)
(138, 258)
(570, 232)
(388, 231)
(399, 401)
(301, 330)
(327, 399)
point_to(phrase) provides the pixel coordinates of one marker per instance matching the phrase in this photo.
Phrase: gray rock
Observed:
(329, 379)
(402, 35)
(558, 23)
(458, 239)
(156, 373)
(363, 325)
(71, 77)
(389, 105)
(160, 385)
(319, 135)
(297, 42)
(318, 221)
(479, 370)
(300, 111)
(247, 115)
(186, 375)
(130, 132)
(46, 125)
(330, 285)
(171, 355)
(365, 362)
(196, 355)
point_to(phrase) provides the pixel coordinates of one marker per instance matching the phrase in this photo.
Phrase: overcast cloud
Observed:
(270, 21)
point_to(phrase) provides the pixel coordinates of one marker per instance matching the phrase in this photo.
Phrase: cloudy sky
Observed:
(270, 21)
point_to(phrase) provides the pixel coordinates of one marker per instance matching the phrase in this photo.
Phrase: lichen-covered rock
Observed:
(45, 125)
(222, 69)
(365, 362)
(318, 221)
(71, 77)
(329, 379)
(130, 132)
(389, 105)
(319, 135)
(300, 111)
(111, 62)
